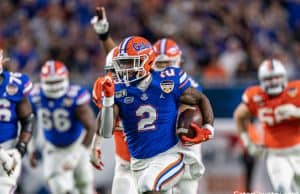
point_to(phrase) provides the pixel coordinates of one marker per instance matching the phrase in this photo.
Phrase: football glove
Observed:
(9, 160)
(100, 24)
(253, 149)
(95, 157)
(203, 134)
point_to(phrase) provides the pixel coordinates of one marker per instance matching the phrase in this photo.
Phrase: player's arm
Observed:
(85, 115)
(242, 117)
(192, 96)
(26, 118)
(101, 27)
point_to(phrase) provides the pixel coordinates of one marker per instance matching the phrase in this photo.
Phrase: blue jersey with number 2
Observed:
(149, 112)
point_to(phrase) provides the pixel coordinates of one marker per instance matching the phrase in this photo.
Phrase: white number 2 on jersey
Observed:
(58, 119)
(148, 116)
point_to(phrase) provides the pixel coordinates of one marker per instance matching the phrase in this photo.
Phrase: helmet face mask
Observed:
(273, 77)
(133, 59)
(130, 68)
(54, 79)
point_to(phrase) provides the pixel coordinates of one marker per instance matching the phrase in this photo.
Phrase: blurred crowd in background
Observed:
(223, 41)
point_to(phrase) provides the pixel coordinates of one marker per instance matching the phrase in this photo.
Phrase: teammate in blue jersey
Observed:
(63, 113)
(147, 102)
(15, 109)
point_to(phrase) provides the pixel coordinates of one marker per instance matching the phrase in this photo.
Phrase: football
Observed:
(186, 117)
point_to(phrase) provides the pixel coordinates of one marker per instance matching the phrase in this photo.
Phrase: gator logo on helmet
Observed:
(140, 46)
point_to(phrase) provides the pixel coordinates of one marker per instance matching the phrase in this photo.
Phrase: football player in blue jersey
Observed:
(147, 102)
(168, 54)
(15, 109)
(63, 113)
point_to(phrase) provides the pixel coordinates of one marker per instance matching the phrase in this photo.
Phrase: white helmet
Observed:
(109, 67)
(54, 79)
(272, 76)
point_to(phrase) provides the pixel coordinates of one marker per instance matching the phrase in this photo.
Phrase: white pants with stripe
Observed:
(163, 171)
(189, 184)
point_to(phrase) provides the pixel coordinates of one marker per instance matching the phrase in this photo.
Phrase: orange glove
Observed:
(108, 86)
(95, 155)
(97, 92)
(203, 134)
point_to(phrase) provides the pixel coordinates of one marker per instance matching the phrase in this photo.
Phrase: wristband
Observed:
(22, 148)
(104, 37)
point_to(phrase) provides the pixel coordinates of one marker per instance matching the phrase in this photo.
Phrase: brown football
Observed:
(186, 117)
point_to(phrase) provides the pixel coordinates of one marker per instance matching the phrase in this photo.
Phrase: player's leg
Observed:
(294, 159)
(59, 180)
(84, 176)
(161, 174)
(8, 184)
(280, 172)
(124, 181)
(194, 168)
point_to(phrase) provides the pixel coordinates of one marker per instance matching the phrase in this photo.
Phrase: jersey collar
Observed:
(144, 84)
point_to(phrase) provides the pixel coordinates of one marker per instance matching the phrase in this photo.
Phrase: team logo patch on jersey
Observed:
(144, 97)
(292, 92)
(12, 89)
(167, 86)
(128, 100)
(121, 93)
(68, 102)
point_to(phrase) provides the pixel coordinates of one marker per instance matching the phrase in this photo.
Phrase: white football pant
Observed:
(61, 181)
(284, 169)
(189, 183)
(8, 184)
(124, 181)
(164, 171)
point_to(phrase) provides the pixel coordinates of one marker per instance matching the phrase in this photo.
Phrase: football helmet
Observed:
(108, 67)
(272, 76)
(133, 59)
(54, 79)
(167, 54)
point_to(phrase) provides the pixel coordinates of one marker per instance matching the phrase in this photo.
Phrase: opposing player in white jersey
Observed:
(68, 124)
(147, 103)
(276, 104)
(15, 109)
(168, 54)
